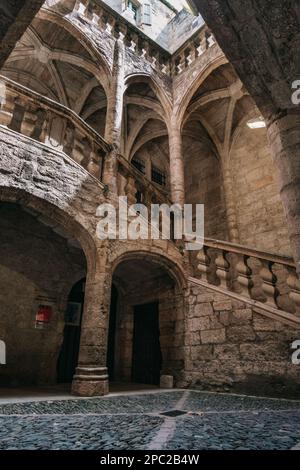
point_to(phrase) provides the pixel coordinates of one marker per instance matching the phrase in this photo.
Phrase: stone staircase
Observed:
(267, 282)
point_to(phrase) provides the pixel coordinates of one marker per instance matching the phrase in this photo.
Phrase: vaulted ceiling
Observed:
(261, 39)
(50, 61)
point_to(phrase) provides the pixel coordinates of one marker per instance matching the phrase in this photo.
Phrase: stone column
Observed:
(230, 205)
(110, 171)
(284, 138)
(176, 164)
(114, 116)
(91, 377)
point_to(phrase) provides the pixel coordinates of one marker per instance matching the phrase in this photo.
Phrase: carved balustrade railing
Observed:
(53, 124)
(104, 17)
(263, 277)
(138, 189)
(193, 49)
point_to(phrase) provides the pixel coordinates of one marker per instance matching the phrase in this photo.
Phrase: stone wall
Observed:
(36, 265)
(179, 30)
(231, 347)
(203, 185)
(260, 217)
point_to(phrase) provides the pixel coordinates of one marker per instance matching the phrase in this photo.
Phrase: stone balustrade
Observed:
(135, 40)
(108, 20)
(192, 50)
(255, 275)
(137, 188)
(51, 123)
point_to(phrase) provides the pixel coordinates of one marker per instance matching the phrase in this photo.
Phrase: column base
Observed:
(90, 382)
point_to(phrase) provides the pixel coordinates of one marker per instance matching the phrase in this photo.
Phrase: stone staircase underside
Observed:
(258, 307)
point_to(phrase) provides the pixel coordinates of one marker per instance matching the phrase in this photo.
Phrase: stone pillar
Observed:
(91, 377)
(176, 164)
(284, 138)
(230, 205)
(114, 116)
(110, 171)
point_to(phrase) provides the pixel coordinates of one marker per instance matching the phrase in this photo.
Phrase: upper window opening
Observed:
(147, 14)
(158, 176)
(134, 9)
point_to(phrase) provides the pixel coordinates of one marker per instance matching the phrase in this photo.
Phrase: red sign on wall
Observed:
(43, 315)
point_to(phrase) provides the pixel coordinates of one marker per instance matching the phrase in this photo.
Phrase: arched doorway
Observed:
(146, 322)
(39, 263)
(68, 356)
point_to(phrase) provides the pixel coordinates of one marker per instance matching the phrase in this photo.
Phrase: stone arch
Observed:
(147, 138)
(151, 289)
(170, 264)
(201, 76)
(154, 85)
(84, 40)
(55, 214)
(43, 253)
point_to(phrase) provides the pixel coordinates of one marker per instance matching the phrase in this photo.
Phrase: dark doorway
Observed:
(68, 357)
(146, 357)
(112, 334)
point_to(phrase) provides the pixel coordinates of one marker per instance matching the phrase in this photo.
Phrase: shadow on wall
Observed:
(37, 269)
(257, 385)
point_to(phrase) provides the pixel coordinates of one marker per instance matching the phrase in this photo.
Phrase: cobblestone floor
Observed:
(212, 421)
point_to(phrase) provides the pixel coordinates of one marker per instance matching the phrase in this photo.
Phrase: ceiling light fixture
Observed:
(256, 123)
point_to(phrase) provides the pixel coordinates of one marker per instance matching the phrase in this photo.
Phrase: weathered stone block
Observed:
(166, 381)
(267, 351)
(193, 338)
(236, 304)
(205, 297)
(203, 310)
(242, 315)
(213, 336)
(265, 324)
(225, 318)
(222, 305)
(240, 334)
(228, 352)
(193, 325)
(202, 352)
(203, 323)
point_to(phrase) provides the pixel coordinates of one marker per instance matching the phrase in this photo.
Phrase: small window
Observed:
(158, 176)
(133, 9)
(139, 197)
(147, 14)
(139, 165)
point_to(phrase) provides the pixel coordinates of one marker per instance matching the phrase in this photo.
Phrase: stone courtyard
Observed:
(111, 112)
(140, 421)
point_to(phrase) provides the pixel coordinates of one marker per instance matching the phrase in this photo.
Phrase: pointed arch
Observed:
(203, 74)
(162, 97)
